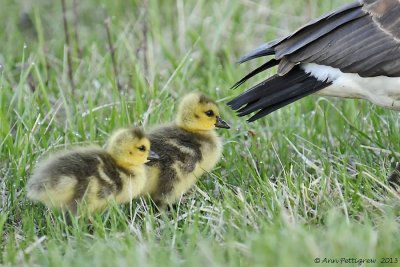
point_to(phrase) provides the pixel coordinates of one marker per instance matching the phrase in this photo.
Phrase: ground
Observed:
(305, 186)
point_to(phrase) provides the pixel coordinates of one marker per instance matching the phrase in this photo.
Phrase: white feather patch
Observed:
(381, 90)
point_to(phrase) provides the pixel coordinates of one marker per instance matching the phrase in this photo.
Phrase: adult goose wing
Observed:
(353, 47)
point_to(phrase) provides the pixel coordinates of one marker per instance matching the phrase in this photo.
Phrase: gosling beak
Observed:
(221, 123)
(153, 155)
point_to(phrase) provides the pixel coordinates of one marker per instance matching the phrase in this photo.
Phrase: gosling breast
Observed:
(184, 157)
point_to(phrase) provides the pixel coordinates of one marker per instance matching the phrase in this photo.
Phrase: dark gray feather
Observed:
(362, 37)
(313, 32)
(386, 13)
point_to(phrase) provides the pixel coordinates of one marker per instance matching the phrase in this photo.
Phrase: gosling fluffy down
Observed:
(187, 148)
(93, 175)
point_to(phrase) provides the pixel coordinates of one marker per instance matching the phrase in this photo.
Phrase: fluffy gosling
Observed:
(187, 148)
(93, 175)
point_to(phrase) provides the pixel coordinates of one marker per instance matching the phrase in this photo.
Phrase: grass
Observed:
(307, 182)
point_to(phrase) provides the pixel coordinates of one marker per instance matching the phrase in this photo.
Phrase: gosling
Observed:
(93, 175)
(187, 148)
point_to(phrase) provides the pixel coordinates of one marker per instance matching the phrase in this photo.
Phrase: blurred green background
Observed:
(307, 181)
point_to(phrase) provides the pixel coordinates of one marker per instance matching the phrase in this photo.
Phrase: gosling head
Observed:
(130, 147)
(198, 112)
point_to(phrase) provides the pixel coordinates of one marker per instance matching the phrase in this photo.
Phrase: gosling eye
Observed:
(142, 148)
(130, 153)
(209, 113)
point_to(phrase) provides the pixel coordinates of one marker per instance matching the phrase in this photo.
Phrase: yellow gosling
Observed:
(93, 175)
(187, 148)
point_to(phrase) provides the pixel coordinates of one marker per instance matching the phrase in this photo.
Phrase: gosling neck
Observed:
(133, 168)
(130, 167)
(186, 128)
